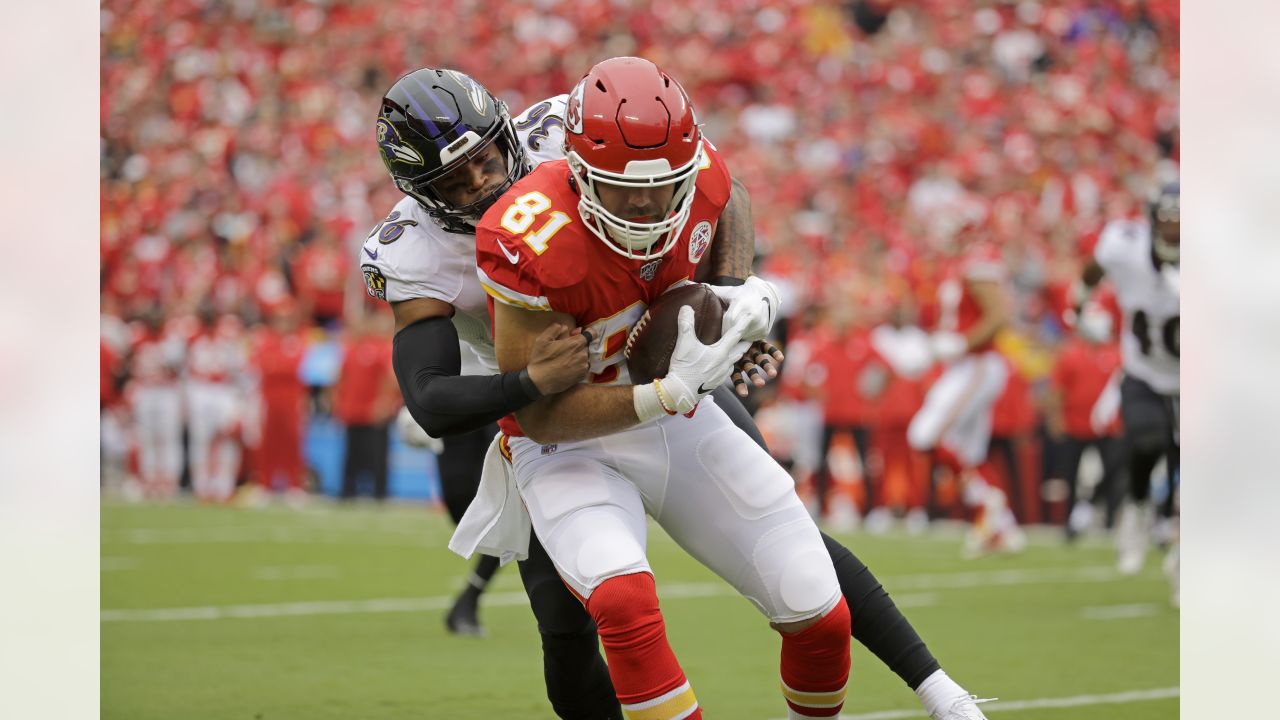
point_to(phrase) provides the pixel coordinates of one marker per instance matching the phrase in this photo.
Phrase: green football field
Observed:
(337, 612)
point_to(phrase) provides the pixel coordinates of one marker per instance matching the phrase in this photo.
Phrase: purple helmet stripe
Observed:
(442, 141)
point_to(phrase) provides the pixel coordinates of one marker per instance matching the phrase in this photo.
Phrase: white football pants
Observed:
(957, 411)
(716, 493)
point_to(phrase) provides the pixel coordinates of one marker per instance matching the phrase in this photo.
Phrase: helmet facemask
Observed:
(463, 218)
(637, 240)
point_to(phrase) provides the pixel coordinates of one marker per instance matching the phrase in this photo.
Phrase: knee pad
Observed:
(794, 563)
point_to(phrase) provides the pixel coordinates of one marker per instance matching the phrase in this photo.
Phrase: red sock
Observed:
(646, 676)
(949, 460)
(815, 666)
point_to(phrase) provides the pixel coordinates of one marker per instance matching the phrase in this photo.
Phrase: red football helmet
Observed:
(630, 125)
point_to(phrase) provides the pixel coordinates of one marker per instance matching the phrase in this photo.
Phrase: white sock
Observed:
(938, 692)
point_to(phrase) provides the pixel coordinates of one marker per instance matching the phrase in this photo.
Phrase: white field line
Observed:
(1118, 612)
(670, 591)
(1120, 698)
(296, 572)
(112, 564)
(343, 536)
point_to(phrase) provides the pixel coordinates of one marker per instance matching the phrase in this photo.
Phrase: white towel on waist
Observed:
(496, 523)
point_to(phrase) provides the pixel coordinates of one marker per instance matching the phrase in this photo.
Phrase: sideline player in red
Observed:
(955, 421)
(590, 242)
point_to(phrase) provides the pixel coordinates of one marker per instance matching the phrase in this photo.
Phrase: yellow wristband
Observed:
(662, 398)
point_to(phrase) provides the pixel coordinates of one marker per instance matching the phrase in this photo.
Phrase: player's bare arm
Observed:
(733, 246)
(995, 312)
(729, 261)
(408, 312)
(579, 413)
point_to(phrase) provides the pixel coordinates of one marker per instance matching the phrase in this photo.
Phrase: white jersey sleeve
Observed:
(408, 256)
(540, 128)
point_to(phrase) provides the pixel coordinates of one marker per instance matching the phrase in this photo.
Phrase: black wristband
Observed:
(529, 386)
(727, 281)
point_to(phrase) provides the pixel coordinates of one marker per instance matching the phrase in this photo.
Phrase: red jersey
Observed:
(366, 380)
(534, 252)
(840, 361)
(278, 357)
(958, 311)
(1080, 374)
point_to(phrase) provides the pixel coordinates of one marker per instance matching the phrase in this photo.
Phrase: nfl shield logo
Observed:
(649, 270)
(699, 240)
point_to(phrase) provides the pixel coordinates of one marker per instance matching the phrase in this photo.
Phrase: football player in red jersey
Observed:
(590, 242)
(955, 422)
(416, 268)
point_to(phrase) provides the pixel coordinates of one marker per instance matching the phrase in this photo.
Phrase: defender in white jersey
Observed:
(1141, 258)
(451, 147)
(422, 260)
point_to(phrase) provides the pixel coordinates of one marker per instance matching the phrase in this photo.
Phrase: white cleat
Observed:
(1133, 537)
(995, 532)
(917, 522)
(965, 708)
(879, 521)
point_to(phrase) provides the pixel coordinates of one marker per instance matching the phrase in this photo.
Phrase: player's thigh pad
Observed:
(735, 510)
(941, 404)
(590, 518)
(969, 433)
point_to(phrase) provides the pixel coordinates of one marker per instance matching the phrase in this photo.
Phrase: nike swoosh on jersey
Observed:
(704, 390)
(372, 255)
(514, 257)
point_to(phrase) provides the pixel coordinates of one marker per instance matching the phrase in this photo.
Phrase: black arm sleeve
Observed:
(427, 362)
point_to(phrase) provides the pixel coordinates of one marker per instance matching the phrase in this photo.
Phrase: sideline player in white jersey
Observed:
(422, 260)
(216, 356)
(1141, 258)
(954, 424)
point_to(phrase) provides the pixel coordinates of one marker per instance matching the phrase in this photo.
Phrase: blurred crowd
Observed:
(238, 177)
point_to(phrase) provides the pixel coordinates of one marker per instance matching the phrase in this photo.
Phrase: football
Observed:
(653, 339)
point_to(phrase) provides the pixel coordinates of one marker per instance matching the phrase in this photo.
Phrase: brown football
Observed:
(653, 339)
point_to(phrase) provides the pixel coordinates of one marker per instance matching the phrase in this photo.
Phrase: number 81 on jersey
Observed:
(520, 216)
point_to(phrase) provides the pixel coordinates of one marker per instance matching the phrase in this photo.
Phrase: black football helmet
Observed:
(433, 122)
(1164, 213)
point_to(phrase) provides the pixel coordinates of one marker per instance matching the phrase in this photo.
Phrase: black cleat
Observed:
(462, 619)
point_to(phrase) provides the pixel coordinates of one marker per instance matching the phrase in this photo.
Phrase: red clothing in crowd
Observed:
(839, 360)
(366, 393)
(320, 271)
(108, 364)
(278, 357)
(1080, 374)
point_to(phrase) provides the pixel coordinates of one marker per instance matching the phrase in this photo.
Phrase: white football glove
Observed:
(696, 369)
(756, 300)
(948, 346)
(412, 434)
